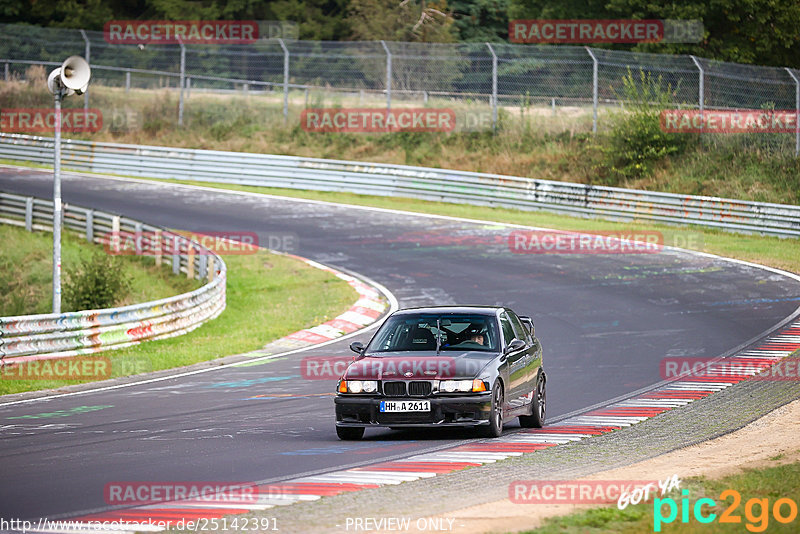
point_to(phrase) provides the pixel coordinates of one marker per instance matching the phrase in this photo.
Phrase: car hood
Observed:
(419, 365)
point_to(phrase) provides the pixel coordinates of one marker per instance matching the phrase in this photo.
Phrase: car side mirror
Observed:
(357, 347)
(514, 346)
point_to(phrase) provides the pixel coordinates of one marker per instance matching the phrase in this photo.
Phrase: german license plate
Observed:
(405, 406)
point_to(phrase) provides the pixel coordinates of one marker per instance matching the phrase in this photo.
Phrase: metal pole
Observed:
(494, 87)
(57, 207)
(183, 75)
(702, 90)
(6, 72)
(285, 81)
(594, 90)
(796, 112)
(127, 81)
(388, 76)
(88, 53)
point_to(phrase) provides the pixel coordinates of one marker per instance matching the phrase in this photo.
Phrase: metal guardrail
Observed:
(31, 337)
(406, 181)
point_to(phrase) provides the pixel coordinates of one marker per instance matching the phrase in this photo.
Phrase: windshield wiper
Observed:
(438, 336)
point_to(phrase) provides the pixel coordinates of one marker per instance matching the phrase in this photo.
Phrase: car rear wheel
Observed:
(538, 406)
(495, 427)
(350, 433)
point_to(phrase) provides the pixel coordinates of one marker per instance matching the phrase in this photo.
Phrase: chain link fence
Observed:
(585, 82)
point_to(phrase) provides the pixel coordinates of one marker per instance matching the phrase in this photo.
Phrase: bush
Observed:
(97, 283)
(636, 141)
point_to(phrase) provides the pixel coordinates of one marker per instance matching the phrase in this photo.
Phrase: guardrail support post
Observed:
(87, 57)
(176, 253)
(285, 81)
(494, 87)
(388, 76)
(115, 233)
(127, 81)
(203, 267)
(182, 80)
(29, 214)
(796, 112)
(594, 89)
(157, 246)
(188, 87)
(7, 76)
(190, 261)
(90, 226)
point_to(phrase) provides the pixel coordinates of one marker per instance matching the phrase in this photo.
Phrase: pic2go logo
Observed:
(756, 511)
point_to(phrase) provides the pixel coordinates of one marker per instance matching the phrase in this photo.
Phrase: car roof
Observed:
(479, 310)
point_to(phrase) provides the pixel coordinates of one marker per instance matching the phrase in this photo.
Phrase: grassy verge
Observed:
(268, 297)
(770, 251)
(28, 290)
(531, 141)
(769, 484)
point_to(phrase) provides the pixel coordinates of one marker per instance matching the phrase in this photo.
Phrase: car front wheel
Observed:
(495, 427)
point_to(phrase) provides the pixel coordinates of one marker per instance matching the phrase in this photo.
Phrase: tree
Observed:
(481, 20)
(405, 20)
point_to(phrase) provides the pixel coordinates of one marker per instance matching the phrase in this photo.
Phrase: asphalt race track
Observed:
(605, 322)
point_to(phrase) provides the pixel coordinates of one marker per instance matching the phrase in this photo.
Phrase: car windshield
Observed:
(419, 332)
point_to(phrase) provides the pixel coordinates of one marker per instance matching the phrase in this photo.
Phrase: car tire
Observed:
(350, 433)
(538, 406)
(495, 427)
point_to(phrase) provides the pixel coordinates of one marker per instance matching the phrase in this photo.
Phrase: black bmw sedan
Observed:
(444, 367)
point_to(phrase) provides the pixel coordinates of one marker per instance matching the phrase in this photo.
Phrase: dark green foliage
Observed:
(636, 140)
(97, 283)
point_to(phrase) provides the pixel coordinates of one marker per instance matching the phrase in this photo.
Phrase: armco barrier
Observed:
(405, 181)
(31, 337)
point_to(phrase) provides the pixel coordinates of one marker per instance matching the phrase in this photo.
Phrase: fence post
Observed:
(29, 214)
(7, 74)
(182, 80)
(388, 75)
(188, 87)
(90, 226)
(127, 81)
(796, 112)
(88, 53)
(702, 91)
(494, 87)
(285, 81)
(594, 89)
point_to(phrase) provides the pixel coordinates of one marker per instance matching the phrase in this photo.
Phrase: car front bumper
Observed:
(460, 411)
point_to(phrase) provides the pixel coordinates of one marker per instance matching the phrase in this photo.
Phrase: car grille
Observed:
(419, 389)
(394, 389)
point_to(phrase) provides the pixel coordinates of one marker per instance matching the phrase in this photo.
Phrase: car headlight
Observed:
(462, 386)
(358, 386)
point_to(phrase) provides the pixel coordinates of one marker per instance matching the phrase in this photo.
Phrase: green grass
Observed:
(26, 263)
(268, 297)
(771, 483)
(772, 251)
